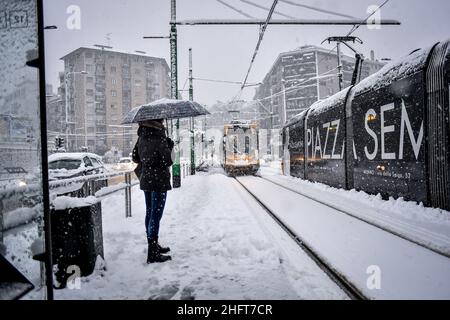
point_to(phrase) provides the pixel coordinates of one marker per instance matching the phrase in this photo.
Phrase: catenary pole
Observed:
(176, 177)
(191, 98)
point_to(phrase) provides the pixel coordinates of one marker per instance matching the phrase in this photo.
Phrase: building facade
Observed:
(299, 78)
(98, 87)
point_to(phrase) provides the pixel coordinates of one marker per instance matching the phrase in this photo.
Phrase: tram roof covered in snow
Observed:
(394, 71)
(296, 118)
(240, 124)
(323, 105)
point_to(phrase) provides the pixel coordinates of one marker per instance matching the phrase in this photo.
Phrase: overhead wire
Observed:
(235, 9)
(267, 9)
(318, 9)
(353, 29)
(261, 35)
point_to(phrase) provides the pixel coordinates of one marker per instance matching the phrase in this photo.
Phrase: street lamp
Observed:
(66, 88)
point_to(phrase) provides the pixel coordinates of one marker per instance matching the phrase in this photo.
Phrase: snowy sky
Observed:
(224, 52)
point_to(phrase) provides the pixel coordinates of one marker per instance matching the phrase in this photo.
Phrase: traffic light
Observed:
(59, 142)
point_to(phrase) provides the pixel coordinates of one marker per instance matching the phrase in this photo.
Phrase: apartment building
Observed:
(99, 86)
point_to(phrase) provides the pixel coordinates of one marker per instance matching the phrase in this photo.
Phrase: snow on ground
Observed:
(222, 248)
(359, 250)
(427, 226)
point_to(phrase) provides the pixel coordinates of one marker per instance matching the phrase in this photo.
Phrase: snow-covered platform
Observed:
(225, 245)
(222, 246)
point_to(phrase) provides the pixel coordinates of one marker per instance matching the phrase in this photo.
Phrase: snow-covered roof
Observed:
(394, 71)
(112, 51)
(296, 118)
(72, 155)
(323, 105)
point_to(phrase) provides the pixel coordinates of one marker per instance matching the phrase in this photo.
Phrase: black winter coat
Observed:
(154, 155)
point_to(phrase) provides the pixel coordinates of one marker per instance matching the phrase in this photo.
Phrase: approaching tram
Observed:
(240, 148)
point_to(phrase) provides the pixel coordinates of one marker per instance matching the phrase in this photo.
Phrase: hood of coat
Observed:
(151, 130)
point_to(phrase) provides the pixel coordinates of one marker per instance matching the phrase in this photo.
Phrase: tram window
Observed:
(247, 144)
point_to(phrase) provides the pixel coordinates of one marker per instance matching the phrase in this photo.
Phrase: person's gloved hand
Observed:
(170, 143)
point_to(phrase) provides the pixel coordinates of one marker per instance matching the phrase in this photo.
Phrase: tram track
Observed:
(341, 281)
(368, 221)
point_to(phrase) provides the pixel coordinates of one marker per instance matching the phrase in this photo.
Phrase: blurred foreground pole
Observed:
(176, 178)
(191, 123)
(44, 154)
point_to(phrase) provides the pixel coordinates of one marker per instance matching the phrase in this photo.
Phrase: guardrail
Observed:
(30, 196)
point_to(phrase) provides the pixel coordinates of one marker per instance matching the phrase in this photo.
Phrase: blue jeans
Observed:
(155, 202)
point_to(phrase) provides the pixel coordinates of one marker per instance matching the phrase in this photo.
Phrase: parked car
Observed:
(69, 165)
(125, 163)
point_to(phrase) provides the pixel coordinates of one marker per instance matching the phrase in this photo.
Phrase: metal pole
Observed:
(2, 246)
(283, 87)
(191, 98)
(314, 22)
(44, 154)
(66, 88)
(85, 127)
(338, 48)
(128, 195)
(176, 178)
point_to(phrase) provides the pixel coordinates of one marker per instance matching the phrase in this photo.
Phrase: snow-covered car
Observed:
(69, 165)
(125, 163)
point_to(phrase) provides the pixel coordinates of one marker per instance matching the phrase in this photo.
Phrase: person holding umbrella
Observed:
(153, 154)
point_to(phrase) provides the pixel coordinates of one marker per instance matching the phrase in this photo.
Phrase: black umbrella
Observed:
(165, 109)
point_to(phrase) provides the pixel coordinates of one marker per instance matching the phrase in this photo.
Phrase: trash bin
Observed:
(77, 237)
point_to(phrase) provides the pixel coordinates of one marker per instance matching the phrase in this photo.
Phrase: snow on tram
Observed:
(240, 147)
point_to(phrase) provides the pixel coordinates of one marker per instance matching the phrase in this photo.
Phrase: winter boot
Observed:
(153, 254)
(162, 249)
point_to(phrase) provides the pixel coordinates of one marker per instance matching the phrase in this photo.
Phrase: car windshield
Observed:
(69, 164)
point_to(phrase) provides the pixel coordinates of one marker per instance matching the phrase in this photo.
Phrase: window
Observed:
(235, 145)
(89, 68)
(113, 69)
(137, 71)
(89, 92)
(87, 162)
(88, 55)
(113, 81)
(113, 93)
(113, 106)
(247, 144)
(95, 162)
(137, 83)
(89, 79)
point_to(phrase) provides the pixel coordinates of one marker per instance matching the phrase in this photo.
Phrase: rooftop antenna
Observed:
(108, 38)
(101, 46)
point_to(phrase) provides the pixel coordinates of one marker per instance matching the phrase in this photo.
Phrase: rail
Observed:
(20, 206)
(333, 274)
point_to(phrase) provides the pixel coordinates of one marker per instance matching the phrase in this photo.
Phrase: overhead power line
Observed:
(299, 85)
(235, 9)
(261, 35)
(318, 9)
(267, 9)
(355, 27)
